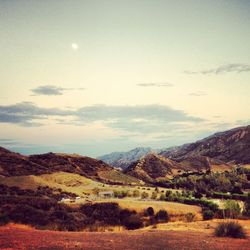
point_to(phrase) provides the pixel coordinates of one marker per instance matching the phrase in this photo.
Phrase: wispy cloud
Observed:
(198, 93)
(51, 90)
(27, 114)
(155, 84)
(223, 69)
(133, 119)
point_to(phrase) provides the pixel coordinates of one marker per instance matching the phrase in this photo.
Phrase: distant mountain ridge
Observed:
(229, 146)
(124, 159)
(219, 152)
(223, 147)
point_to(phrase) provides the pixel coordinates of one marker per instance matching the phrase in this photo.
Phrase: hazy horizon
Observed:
(92, 77)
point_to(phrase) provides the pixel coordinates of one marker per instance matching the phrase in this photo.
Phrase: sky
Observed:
(94, 76)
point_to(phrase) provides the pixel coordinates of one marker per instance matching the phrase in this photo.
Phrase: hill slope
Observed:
(14, 164)
(232, 145)
(152, 167)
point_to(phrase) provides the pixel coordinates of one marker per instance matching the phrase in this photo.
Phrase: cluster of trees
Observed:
(48, 213)
(205, 183)
(40, 208)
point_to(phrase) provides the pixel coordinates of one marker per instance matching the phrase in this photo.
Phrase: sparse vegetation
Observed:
(190, 217)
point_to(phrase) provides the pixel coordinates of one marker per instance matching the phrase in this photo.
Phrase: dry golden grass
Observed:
(66, 181)
(173, 208)
(197, 226)
(177, 236)
(117, 176)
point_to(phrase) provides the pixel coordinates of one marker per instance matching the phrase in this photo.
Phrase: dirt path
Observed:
(12, 237)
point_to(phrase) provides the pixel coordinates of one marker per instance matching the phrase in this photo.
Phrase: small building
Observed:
(106, 194)
(65, 200)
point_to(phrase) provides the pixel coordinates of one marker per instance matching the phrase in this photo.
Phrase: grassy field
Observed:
(141, 205)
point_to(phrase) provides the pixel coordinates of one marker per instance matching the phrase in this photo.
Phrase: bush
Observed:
(232, 209)
(197, 195)
(230, 229)
(247, 206)
(149, 211)
(136, 193)
(207, 214)
(4, 219)
(144, 195)
(154, 196)
(133, 222)
(162, 197)
(190, 217)
(162, 216)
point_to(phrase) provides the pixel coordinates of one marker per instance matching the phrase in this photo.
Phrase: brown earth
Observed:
(154, 167)
(25, 238)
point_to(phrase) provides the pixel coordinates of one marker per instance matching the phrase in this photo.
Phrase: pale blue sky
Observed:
(93, 77)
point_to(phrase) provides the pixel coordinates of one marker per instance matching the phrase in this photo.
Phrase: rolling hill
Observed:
(14, 164)
(153, 167)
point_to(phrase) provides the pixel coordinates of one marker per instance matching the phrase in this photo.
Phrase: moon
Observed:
(74, 46)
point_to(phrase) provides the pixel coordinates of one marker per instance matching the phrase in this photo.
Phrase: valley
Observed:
(157, 195)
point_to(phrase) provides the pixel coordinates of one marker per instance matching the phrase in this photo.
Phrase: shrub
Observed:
(247, 206)
(232, 209)
(207, 214)
(133, 222)
(230, 229)
(162, 197)
(125, 214)
(108, 212)
(154, 195)
(162, 215)
(190, 217)
(149, 211)
(4, 219)
(136, 193)
(197, 195)
(144, 195)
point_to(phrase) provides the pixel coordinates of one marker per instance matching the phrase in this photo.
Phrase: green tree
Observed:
(136, 193)
(232, 209)
(154, 195)
(144, 195)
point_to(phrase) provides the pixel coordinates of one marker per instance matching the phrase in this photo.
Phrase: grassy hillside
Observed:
(69, 182)
(118, 177)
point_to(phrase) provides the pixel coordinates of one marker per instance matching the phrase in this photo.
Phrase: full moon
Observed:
(74, 46)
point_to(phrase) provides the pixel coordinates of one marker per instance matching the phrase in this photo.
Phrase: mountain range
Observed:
(229, 147)
(219, 152)
(124, 159)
